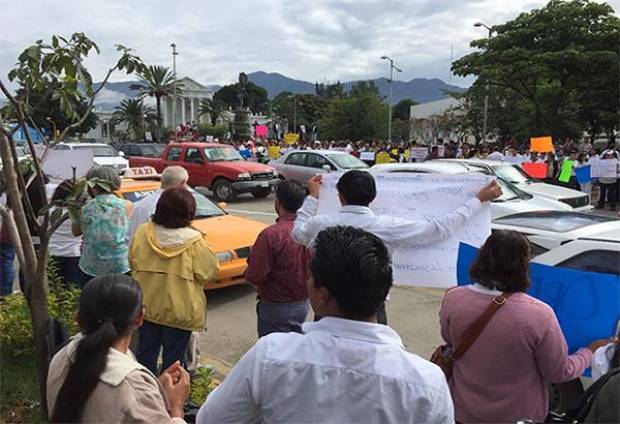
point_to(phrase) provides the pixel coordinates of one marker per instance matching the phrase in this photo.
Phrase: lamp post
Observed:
(392, 67)
(50, 120)
(294, 97)
(485, 121)
(174, 95)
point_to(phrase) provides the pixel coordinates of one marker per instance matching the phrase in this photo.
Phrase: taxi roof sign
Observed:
(145, 172)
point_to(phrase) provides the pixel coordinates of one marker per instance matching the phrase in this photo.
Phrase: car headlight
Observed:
(244, 176)
(275, 173)
(224, 257)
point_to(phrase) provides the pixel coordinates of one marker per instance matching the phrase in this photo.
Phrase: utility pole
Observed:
(174, 95)
(485, 120)
(392, 67)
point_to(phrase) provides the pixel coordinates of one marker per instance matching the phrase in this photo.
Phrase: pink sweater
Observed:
(504, 375)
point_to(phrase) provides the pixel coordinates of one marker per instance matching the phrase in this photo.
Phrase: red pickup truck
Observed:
(218, 167)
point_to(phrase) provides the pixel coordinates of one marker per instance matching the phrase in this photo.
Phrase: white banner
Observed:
(420, 197)
(604, 168)
(59, 164)
(368, 156)
(419, 153)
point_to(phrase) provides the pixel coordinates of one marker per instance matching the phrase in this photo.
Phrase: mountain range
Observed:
(421, 90)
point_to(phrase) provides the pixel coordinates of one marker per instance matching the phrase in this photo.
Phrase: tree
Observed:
(255, 98)
(402, 110)
(136, 115)
(329, 91)
(157, 81)
(211, 107)
(557, 66)
(60, 65)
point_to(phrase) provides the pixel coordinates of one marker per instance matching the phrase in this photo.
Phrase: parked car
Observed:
(575, 240)
(513, 200)
(147, 150)
(301, 165)
(104, 154)
(516, 175)
(230, 237)
(218, 167)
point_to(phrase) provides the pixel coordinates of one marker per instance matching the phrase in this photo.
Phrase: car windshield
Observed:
(99, 151)
(509, 192)
(346, 161)
(204, 207)
(557, 222)
(20, 151)
(152, 151)
(221, 154)
(511, 173)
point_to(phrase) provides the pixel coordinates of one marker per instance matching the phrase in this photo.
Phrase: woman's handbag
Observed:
(444, 356)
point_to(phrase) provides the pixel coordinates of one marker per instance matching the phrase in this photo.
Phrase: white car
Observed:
(104, 155)
(301, 165)
(512, 200)
(514, 174)
(574, 240)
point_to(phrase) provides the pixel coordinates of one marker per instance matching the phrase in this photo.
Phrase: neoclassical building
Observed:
(187, 104)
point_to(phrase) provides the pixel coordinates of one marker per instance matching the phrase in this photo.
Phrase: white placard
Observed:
(517, 160)
(419, 153)
(419, 197)
(368, 156)
(604, 168)
(58, 164)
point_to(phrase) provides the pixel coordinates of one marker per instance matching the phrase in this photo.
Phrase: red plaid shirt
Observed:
(277, 265)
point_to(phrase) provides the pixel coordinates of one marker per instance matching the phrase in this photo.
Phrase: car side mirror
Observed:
(223, 205)
(121, 153)
(327, 168)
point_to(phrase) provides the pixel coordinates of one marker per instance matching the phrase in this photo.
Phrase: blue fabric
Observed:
(587, 304)
(281, 317)
(7, 271)
(153, 337)
(583, 174)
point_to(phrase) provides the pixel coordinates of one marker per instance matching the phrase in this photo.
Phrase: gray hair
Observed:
(106, 174)
(173, 176)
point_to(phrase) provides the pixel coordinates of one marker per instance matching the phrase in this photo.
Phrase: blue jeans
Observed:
(7, 272)
(153, 337)
(281, 317)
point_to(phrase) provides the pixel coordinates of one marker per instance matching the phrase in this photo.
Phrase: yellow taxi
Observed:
(230, 237)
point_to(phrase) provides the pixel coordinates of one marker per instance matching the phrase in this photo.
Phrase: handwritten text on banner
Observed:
(417, 197)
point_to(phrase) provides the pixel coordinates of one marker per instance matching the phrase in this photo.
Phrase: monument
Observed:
(241, 121)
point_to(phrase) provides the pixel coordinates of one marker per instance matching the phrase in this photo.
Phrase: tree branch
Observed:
(9, 221)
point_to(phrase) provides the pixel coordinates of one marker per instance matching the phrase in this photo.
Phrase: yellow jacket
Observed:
(171, 266)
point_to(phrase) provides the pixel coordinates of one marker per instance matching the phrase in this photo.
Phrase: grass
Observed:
(19, 389)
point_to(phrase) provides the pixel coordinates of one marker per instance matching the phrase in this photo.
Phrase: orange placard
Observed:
(541, 144)
(535, 170)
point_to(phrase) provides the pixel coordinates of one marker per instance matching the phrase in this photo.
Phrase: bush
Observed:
(217, 131)
(203, 383)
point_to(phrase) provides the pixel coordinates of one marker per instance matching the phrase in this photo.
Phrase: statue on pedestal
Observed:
(241, 122)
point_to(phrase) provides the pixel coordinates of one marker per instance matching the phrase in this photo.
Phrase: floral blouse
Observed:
(104, 224)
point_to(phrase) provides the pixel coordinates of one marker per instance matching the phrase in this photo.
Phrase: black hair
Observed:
(357, 187)
(290, 194)
(355, 267)
(107, 309)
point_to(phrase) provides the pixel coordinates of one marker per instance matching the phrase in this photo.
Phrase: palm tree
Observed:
(157, 81)
(211, 107)
(135, 114)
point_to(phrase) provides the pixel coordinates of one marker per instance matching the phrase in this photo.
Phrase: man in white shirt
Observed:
(346, 368)
(173, 176)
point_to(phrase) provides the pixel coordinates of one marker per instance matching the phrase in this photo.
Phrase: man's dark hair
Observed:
(503, 262)
(357, 187)
(290, 194)
(355, 267)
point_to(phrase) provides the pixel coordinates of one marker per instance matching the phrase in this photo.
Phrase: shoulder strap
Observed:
(476, 328)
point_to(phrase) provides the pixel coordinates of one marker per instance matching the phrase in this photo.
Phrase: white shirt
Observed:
(340, 371)
(142, 212)
(63, 243)
(394, 232)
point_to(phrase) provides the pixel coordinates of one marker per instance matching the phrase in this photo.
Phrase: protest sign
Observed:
(517, 160)
(419, 153)
(541, 144)
(587, 304)
(535, 170)
(604, 168)
(583, 174)
(382, 157)
(566, 171)
(291, 138)
(367, 156)
(209, 138)
(420, 197)
(261, 131)
(59, 164)
(274, 152)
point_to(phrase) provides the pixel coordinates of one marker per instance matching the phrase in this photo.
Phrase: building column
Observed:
(192, 106)
(183, 120)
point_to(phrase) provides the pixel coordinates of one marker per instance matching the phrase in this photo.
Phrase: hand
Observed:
(599, 343)
(314, 185)
(491, 192)
(175, 381)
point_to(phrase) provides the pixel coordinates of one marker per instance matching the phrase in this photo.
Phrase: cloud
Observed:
(314, 40)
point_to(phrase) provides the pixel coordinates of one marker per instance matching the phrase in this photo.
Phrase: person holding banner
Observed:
(608, 185)
(357, 190)
(505, 373)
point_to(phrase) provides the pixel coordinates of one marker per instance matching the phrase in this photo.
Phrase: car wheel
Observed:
(564, 395)
(261, 192)
(224, 191)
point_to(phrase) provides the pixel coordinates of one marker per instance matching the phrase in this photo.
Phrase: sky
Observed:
(312, 40)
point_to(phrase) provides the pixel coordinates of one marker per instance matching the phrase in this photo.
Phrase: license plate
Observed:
(264, 185)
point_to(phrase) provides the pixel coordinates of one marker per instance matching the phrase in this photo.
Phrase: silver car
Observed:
(301, 165)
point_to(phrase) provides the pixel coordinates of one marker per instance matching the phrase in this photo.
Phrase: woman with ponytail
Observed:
(95, 378)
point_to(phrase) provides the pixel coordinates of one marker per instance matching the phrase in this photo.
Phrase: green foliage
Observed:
(329, 91)
(202, 384)
(402, 110)
(554, 69)
(309, 108)
(212, 107)
(19, 391)
(255, 98)
(217, 131)
(136, 115)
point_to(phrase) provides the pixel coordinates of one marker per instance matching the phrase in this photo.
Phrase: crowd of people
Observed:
(142, 269)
